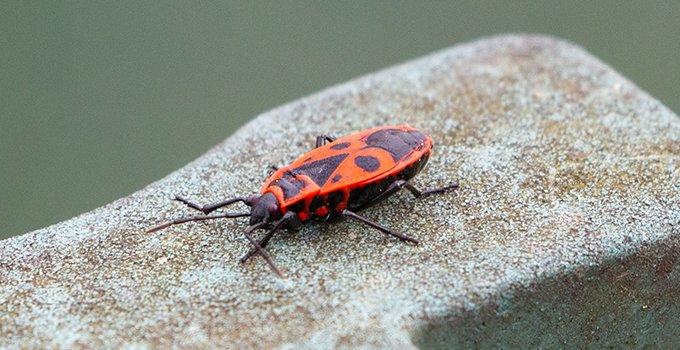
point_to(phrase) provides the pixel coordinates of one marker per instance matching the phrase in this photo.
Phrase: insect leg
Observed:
(391, 189)
(259, 249)
(377, 226)
(287, 218)
(323, 139)
(418, 193)
(397, 185)
(207, 209)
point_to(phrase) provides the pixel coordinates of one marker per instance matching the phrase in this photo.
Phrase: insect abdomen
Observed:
(320, 206)
(361, 195)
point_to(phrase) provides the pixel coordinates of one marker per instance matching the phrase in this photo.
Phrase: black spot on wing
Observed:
(341, 145)
(368, 163)
(336, 178)
(398, 143)
(320, 170)
(290, 185)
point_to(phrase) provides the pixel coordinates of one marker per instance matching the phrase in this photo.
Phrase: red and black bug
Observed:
(338, 178)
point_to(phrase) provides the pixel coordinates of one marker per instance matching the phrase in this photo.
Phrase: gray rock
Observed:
(564, 231)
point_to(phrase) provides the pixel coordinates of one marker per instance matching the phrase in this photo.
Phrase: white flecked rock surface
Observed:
(563, 165)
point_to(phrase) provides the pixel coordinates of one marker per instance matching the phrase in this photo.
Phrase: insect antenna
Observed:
(196, 218)
(259, 248)
(209, 208)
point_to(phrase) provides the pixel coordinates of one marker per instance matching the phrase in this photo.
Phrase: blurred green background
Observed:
(102, 98)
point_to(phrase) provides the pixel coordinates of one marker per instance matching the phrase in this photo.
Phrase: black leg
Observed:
(323, 139)
(379, 227)
(391, 189)
(287, 218)
(260, 250)
(398, 185)
(207, 209)
(418, 193)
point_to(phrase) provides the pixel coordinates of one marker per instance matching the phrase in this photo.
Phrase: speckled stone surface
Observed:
(564, 230)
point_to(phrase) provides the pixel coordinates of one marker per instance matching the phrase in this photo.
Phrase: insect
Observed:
(338, 178)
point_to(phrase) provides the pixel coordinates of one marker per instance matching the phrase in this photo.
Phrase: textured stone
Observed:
(564, 230)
